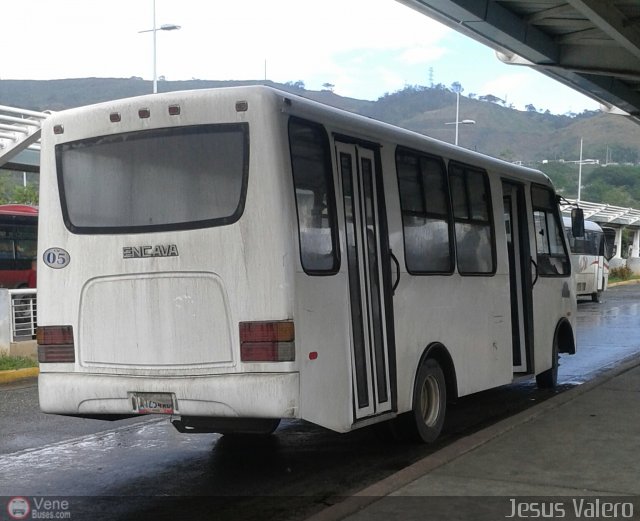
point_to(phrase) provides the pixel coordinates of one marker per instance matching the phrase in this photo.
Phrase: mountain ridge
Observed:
(499, 131)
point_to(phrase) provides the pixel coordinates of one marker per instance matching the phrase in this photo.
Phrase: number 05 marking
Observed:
(56, 258)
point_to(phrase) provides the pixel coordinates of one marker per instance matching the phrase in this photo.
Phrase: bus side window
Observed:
(425, 213)
(552, 256)
(6, 249)
(472, 216)
(315, 197)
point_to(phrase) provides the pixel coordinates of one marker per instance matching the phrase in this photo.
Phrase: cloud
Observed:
(422, 54)
(364, 47)
(506, 83)
(527, 87)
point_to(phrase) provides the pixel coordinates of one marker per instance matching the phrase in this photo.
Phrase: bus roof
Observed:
(342, 121)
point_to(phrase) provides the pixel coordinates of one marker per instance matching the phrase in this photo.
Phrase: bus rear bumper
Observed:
(247, 395)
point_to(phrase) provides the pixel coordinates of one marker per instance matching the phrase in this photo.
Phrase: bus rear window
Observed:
(162, 179)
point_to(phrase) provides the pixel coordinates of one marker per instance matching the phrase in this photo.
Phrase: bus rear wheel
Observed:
(424, 422)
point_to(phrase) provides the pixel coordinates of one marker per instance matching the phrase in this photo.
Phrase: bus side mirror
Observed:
(577, 222)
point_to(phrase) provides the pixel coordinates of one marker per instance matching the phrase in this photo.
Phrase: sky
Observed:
(365, 48)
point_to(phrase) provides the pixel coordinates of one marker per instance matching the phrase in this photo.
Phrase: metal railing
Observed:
(24, 314)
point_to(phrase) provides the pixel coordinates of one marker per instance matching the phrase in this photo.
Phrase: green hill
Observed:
(499, 131)
(531, 137)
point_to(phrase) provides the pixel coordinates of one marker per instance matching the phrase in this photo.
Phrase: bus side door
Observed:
(367, 257)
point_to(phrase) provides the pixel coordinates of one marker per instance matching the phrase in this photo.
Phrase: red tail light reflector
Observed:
(55, 344)
(267, 341)
(281, 331)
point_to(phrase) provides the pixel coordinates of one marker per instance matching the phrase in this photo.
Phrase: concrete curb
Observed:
(623, 283)
(390, 484)
(18, 374)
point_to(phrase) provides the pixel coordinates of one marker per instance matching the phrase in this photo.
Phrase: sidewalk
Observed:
(583, 442)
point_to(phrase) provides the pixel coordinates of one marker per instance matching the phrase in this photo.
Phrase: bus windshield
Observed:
(590, 244)
(162, 179)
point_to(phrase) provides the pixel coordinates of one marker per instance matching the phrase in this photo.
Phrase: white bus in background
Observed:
(590, 257)
(233, 257)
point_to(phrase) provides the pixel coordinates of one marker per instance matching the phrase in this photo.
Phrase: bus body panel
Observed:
(550, 316)
(169, 324)
(482, 359)
(216, 396)
(161, 317)
(321, 319)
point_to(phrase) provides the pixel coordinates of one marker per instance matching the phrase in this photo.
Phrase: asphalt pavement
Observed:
(572, 456)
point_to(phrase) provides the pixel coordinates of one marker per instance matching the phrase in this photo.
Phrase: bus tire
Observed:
(549, 379)
(595, 296)
(424, 422)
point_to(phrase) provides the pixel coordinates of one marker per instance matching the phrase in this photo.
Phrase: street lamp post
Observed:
(458, 122)
(580, 171)
(154, 30)
(457, 113)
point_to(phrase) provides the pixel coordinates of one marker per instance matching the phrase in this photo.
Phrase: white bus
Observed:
(590, 256)
(233, 257)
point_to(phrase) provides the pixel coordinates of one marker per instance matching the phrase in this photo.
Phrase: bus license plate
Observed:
(152, 403)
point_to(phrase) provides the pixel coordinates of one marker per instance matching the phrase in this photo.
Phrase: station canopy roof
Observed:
(592, 46)
(19, 138)
(605, 213)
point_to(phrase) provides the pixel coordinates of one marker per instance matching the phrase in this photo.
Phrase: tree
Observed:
(26, 194)
(328, 86)
(5, 189)
(507, 154)
(491, 98)
(457, 87)
(530, 108)
(295, 84)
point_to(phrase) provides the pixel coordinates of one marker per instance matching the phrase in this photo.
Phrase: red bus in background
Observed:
(18, 245)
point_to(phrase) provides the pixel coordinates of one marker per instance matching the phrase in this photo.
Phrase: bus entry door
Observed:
(364, 232)
(515, 221)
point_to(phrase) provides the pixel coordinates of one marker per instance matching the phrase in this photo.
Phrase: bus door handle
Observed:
(537, 274)
(395, 261)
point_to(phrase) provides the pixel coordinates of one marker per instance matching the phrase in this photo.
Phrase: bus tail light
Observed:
(267, 341)
(55, 344)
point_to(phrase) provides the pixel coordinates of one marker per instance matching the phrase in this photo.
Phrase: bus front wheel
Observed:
(549, 379)
(424, 422)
